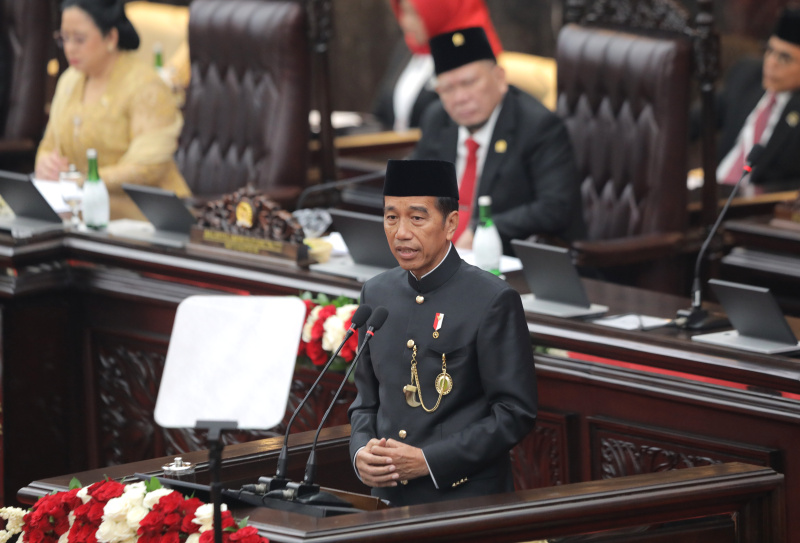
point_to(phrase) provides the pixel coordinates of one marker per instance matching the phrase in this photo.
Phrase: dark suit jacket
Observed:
(383, 106)
(533, 182)
(492, 405)
(779, 166)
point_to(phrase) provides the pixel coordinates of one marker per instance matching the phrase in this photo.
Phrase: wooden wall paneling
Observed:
(620, 448)
(39, 337)
(660, 420)
(545, 457)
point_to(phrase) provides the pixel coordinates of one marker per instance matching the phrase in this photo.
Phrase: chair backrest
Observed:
(26, 31)
(534, 74)
(625, 100)
(246, 110)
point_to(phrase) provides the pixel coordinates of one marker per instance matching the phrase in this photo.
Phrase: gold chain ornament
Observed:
(444, 384)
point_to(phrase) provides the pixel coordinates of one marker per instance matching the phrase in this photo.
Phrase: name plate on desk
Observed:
(248, 244)
(249, 222)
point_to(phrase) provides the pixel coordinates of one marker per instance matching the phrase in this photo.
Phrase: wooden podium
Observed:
(719, 503)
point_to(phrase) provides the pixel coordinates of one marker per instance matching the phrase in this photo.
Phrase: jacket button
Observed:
(420, 299)
(410, 343)
(402, 434)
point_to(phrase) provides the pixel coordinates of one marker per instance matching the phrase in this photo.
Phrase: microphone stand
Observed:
(307, 491)
(306, 497)
(268, 484)
(697, 318)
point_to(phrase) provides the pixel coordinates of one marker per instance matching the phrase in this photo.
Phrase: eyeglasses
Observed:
(781, 57)
(62, 39)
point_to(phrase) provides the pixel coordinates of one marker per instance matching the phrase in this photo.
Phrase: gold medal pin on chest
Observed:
(437, 324)
(413, 392)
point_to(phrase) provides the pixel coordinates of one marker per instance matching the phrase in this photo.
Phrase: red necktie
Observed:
(467, 189)
(758, 131)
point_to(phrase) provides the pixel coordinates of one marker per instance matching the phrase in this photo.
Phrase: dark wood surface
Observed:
(106, 307)
(741, 502)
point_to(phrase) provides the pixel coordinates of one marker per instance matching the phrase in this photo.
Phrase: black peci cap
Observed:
(421, 178)
(788, 26)
(455, 49)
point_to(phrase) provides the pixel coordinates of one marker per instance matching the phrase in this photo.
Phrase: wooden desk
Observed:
(106, 307)
(767, 256)
(728, 502)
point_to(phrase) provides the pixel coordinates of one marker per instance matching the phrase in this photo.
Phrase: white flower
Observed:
(333, 333)
(64, 537)
(152, 497)
(83, 494)
(115, 532)
(135, 516)
(312, 318)
(13, 517)
(193, 538)
(204, 516)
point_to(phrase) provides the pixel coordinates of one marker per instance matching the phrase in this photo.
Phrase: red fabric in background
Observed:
(440, 16)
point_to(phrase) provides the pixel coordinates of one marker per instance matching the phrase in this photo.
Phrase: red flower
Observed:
(348, 351)
(248, 534)
(314, 349)
(89, 515)
(301, 349)
(48, 519)
(189, 509)
(227, 522)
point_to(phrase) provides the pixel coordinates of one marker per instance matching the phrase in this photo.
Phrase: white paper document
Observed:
(633, 322)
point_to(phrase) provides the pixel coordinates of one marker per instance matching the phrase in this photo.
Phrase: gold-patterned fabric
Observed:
(134, 126)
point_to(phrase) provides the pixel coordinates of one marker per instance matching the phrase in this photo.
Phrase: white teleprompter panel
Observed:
(230, 358)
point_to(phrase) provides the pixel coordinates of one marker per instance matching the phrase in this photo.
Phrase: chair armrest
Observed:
(629, 250)
(17, 146)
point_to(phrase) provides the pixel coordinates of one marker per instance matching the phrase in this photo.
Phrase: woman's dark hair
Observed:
(108, 14)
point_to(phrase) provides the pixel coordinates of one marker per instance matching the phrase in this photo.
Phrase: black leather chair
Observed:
(624, 95)
(26, 46)
(246, 111)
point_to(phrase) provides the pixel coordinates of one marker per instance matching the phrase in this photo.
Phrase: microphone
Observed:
(697, 318)
(309, 192)
(376, 321)
(279, 481)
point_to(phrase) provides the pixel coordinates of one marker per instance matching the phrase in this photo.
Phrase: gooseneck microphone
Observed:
(378, 318)
(697, 318)
(359, 318)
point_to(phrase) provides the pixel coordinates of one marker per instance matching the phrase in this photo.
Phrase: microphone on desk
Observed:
(336, 186)
(267, 484)
(697, 318)
(308, 492)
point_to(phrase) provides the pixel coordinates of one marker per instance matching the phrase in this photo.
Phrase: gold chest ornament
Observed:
(443, 384)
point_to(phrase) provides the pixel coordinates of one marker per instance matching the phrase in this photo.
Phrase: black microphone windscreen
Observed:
(755, 154)
(360, 316)
(378, 317)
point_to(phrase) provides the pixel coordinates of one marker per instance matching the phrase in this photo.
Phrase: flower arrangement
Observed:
(325, 326)
(113, 512)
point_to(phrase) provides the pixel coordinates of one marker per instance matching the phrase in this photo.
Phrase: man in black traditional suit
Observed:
(761, 104)
(448, 386)
(504, 143)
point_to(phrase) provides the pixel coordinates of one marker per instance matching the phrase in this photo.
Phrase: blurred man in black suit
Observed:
(761, 104)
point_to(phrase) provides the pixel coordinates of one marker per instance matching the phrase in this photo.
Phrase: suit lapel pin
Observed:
(437, 324)
(500, 146)
(793, 118)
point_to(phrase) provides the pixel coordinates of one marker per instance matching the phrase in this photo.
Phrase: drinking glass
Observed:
(71, 192)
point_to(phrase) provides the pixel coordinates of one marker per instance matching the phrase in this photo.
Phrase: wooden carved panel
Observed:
(125, 377)
(619, 449)
(542, 458)
(665, 15)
